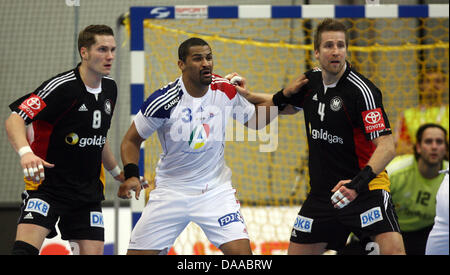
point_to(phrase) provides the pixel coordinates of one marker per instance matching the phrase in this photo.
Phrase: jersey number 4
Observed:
(321, 110)
(96, 119)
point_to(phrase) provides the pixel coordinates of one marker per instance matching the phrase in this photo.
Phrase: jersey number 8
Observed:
(96, 119)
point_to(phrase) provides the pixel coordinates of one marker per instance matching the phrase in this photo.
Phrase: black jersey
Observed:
(68, 128)
(341, 123)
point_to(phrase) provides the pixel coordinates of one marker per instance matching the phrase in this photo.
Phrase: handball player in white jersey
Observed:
(437, 243)
(192, 183)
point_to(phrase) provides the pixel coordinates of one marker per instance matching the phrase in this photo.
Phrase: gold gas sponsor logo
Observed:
(74, 139)
(324, 135)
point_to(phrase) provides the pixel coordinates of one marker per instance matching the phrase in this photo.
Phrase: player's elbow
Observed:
(14, 121)
(128, 145)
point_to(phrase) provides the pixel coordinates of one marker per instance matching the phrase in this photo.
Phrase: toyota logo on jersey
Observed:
(373, 120)
(32, 105)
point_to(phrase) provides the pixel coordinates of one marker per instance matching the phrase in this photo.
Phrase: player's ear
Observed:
(316, 54)
(181, 64)
(84, 53)
(417, 148)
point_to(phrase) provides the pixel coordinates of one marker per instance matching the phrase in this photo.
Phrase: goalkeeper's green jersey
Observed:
(413, 195)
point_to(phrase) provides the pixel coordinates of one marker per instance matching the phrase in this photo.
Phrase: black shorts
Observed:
(81, 221)
(370, 214)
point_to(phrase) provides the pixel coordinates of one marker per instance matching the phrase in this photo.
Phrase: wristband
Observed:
(115, 171)
(131, 170)
(360, 183)
(26, 149)
(280, 100)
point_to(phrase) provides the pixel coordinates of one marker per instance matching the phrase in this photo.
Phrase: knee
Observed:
(391, 243)
(395, 248)
(236, 247)
(398, 250)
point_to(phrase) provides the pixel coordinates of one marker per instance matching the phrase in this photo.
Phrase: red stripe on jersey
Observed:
(363, 147)
(42, 131)
(221, 84)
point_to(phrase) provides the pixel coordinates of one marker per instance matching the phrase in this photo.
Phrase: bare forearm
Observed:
(109, 161)
(16, 131)
(129, 152)
(259, 99)
(383, 154)
(130, 146)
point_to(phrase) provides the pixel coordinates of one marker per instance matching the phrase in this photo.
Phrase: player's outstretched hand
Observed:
(239, 82)
(33, 167)
(295, 85)
(342, 195)
(125, 188)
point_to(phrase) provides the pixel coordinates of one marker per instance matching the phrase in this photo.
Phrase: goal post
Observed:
(269, 45)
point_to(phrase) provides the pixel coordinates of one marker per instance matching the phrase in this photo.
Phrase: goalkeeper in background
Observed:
(415, 180)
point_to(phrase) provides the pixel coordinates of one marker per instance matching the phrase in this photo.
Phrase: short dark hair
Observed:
(183, 50)
(86, 37)
(419, 135)
(329, 24)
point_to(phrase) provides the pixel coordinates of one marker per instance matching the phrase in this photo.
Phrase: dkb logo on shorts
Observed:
(38, 206)
(303, 224)
(371, 216)
(97, 219)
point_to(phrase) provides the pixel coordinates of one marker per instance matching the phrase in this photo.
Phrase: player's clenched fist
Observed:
(126, 187)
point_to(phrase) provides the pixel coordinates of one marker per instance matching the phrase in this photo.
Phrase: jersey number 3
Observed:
(96, 119)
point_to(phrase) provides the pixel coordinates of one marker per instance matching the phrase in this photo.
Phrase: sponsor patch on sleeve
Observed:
(373, 120)
(32, 105)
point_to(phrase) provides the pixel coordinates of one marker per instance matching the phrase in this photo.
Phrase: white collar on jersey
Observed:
(94, 90)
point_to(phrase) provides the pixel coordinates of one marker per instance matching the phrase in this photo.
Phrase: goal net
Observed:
(392, 45)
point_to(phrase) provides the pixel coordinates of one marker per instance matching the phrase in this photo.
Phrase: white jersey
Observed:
(192, 133)
(438, 240)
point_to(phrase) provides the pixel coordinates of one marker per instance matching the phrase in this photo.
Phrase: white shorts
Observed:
(168, 212)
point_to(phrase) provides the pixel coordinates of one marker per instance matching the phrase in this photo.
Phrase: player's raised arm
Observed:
(268, 100)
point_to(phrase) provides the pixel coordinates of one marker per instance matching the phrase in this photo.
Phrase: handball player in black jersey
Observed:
(60, 132)
(350, 143)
